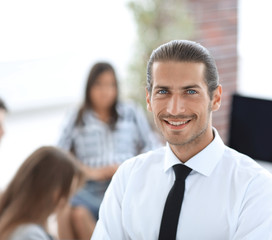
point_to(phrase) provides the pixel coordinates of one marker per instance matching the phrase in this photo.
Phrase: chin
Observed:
(175, 141)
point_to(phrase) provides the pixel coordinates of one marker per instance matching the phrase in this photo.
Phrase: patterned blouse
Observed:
(96, 145)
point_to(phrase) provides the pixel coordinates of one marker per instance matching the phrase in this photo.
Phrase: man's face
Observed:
(180, 102)
(2, 118)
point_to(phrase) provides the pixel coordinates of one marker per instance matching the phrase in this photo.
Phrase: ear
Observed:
(148, 103)
(216, 101)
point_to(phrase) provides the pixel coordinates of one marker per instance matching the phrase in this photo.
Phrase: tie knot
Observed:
(181, 171)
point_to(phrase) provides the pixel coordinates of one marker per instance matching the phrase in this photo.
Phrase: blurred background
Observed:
(48, 47)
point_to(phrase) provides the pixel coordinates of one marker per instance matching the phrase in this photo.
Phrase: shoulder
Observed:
(128, 104)
(72, 112)
(29, 232)
(70, 117)
(246, 168)
(129, 107)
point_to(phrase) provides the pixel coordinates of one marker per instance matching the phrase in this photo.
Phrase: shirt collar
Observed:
(204, 162)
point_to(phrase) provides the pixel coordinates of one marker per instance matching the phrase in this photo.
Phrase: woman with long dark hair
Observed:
(3, 112)
(102, 134)
(41, 186)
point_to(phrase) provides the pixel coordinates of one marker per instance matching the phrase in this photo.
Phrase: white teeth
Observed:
(177, 123)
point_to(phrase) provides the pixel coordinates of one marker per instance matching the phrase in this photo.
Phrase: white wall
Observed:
(47, 47)
(255, 48)
(46, 51)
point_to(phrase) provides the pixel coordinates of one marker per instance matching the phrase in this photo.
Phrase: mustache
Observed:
(176, 117)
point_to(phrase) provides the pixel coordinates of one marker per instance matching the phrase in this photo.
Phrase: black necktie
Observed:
(173, 204)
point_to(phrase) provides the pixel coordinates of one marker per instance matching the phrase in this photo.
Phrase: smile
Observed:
(176, 124)
(180, 123)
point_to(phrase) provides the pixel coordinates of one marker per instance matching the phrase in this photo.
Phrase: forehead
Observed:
(178, 72)
(106, 75)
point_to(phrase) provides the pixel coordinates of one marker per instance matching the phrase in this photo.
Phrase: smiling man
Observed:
(195, 187)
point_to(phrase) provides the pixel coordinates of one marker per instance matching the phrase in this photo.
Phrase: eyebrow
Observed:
(182, 88)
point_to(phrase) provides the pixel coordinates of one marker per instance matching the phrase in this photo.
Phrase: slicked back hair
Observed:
(185, 51)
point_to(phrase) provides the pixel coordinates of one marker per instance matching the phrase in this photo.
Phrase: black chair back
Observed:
(251, 127)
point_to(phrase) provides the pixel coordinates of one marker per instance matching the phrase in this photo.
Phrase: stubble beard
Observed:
(193, 140)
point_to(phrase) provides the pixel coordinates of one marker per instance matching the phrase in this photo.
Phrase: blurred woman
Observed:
(41, 186)
(102, 134)
(3, 111)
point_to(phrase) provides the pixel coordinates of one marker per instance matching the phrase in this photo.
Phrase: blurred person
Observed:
(195, 187)
(41, 186)
(102, 134)
(3, 111)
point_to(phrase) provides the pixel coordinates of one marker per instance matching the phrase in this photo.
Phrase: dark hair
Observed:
(3, 105)
(185, 51)
(43, 179)
(97, 70)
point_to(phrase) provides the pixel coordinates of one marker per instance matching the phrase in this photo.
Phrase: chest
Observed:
(100, 133)
(207, 212)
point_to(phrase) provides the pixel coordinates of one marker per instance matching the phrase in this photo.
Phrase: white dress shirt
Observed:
(227, 196)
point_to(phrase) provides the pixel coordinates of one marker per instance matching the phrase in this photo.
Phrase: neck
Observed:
(103, 114)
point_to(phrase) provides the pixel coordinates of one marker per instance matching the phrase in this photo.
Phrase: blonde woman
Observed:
(41, 186)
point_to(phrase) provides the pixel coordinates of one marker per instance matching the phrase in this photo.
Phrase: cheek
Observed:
(112, 93)
(91, 94)
(200, 104)
(157, 107)
(95, 95)
(108, 97)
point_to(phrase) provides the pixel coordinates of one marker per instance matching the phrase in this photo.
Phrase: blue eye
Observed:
(191, 92)
(162, 92)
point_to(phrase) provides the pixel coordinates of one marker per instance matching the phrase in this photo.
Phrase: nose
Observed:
(176, 105)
